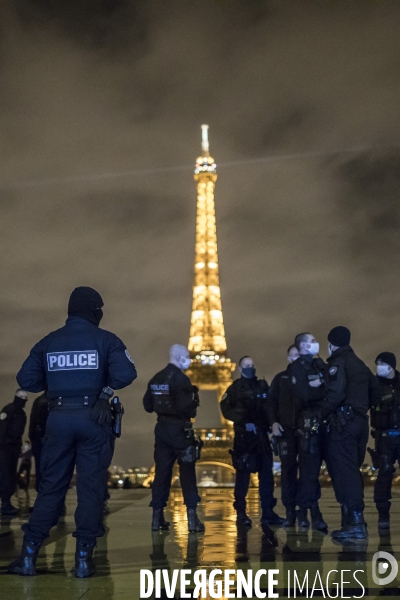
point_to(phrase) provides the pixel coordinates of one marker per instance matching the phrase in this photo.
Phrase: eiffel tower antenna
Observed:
(211, 369)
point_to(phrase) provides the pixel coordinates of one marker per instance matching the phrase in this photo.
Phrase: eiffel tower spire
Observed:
(211, 368)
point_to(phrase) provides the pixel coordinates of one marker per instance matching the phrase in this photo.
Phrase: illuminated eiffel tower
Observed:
(211, 369)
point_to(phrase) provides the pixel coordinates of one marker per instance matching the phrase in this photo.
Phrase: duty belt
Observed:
(70, 402)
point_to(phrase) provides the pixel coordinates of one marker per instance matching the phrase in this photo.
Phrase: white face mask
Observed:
(383, 370)
(185, 363)
(313, 349)
(330, 350)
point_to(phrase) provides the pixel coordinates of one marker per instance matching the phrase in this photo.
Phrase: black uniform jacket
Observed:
(77, 360)
(12, 425)
(181, 396)
(349, 382)
(294, 393)
(385, 414)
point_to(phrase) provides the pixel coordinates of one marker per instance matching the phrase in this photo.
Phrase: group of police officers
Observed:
(315, 411)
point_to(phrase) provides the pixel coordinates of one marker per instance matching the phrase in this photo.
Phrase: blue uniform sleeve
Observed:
(32, 375)
(121, 368)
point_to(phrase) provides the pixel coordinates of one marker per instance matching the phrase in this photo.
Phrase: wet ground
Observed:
(130, 546)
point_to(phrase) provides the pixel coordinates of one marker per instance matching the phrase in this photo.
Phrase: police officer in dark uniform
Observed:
(245, 403)
(174, 399)
(284, 432)
(299, 404)
(351, 389)
(37, 429)
(385, 422)
(12, 426)
(73, 365)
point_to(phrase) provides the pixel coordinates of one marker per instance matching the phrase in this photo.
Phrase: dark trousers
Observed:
(289, 449)
(170, 441)
(389, 452)
(346, 451)
(310, 462)
(266, 484)
(9, 455)
(72, 439)
(37, 447)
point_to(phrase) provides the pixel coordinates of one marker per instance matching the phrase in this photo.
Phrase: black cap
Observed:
(387, 357)
(339, 336)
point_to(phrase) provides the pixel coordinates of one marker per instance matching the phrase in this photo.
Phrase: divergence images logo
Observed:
(382, 567)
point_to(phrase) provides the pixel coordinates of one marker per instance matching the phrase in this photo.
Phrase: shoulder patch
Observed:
(128, 356)
(3, 416)
(294, 380)
(333, 371)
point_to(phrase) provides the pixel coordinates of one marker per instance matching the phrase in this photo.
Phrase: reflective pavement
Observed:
(130, 546)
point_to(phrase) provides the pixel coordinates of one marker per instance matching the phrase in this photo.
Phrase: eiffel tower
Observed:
(211, 369)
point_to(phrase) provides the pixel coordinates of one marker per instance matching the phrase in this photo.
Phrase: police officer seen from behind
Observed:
(245, 403)
(73, 364)
(12, 426)
(385, 423)
(351, 389)
(300, 401)
(284, 431)
(174, 399)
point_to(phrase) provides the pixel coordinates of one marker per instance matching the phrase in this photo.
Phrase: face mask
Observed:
(313, 349)
(383, 370)
(330, 350)
(185, 363)
(249, 372)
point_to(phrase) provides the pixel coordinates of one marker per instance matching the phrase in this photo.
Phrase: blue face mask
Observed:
(249, 372)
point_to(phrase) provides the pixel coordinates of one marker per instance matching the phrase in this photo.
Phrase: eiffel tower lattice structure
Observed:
(211, 369)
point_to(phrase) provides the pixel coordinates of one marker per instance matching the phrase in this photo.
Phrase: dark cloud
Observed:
(97, 98)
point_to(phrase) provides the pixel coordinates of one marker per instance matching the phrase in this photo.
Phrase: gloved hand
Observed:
(101, 412)
(277, 429)
(250, 427)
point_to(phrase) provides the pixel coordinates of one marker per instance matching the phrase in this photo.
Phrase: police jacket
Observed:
(77, 361)
(12, 425)
(170, 394)
(349, 383)
(385, 415)
(38, 418)
(275, 415)
(296, 395)
(245, 401)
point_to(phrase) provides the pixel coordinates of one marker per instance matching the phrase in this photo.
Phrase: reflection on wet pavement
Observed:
(129, 545)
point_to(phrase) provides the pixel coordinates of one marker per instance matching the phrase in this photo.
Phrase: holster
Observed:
(308, 432)
(192, 453)
(117, 413)
(245, 462)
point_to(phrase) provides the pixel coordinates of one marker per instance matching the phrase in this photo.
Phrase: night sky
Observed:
(101, 104)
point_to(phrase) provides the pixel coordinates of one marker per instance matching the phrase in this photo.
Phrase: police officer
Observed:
(299, 405)
(37, 429)
(172, 397)
(245, 403)
(73, 364)
(12, 426)
(351, 389)
(385, 422)
(284, 431)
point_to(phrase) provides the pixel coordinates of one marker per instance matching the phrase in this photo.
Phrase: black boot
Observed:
(355, 528)
(243, 519)
(84, 565)
(25, 564)
(384, 519)
(290, 520)
(194, 523)
(159, 522)
(269, 517)
(317, 520)
(302, 518)
(8, 510)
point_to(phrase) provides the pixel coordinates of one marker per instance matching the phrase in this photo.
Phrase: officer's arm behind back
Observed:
(148, 401)
(335, 388)
(121, 369)
(32, 375)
